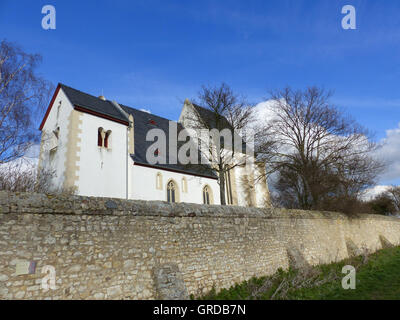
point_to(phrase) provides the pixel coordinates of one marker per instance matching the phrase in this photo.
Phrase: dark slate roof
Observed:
(143, 122)
(209, 117)
(92, 103)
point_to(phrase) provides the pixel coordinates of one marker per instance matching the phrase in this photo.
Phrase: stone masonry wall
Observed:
(115, 249)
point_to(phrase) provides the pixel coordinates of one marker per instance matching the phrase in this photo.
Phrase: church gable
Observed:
(141, 121)
(87, 103)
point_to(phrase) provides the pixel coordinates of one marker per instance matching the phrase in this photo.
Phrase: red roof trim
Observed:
(82, 109)
(49, 107)
(172, 170)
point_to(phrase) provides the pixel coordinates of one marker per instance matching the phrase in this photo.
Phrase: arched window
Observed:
(107, 140)
(172, 192)
(207, 195)
(159, 181)
(100, 133)
(184, 185)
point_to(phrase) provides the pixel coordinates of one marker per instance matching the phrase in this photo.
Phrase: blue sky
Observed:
(154, 54)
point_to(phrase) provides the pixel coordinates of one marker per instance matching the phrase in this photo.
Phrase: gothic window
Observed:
(172, 192)
(207, 195)
(159, 181)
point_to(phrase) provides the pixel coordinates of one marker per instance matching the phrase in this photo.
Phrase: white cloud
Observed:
(371, 193)
(145, 110)
(265, 110)
(23, 164)
(390, 153)
(28, 162)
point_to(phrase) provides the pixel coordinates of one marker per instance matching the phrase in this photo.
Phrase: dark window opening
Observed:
(99, 138)
(206, 195)
(106, 139)
(56, 132)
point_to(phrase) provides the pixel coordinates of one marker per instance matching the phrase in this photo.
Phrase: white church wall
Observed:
(242, 189)
(102, 171)
(188, 116)
(239, 172)
(144, 185)
(58, 117)
(261, 188)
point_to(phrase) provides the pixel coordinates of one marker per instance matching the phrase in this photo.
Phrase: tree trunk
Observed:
(222, 187)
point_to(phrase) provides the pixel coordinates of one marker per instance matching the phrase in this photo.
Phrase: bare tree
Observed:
(318, 153)
(22, 175)
(383, 204)
(219, 108)
(23, 94)
(394, 192)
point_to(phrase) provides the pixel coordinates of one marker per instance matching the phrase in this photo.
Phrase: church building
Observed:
(97, 147)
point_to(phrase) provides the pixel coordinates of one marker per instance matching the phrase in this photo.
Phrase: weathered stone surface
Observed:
(352, 248)
(296, 258)
(114, 292)
(169, 283)
(151, 249)
(3, 278)
(385, 242)
(111, 204)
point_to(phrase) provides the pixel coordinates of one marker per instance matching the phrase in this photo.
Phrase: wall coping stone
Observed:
(34, 203)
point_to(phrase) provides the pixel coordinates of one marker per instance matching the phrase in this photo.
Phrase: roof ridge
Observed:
(210, 111)
(88, 94)
(111, 102)
(147, 113)
(201, 107)
(119, 108)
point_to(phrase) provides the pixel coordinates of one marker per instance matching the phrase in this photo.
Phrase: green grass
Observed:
(377, 277)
